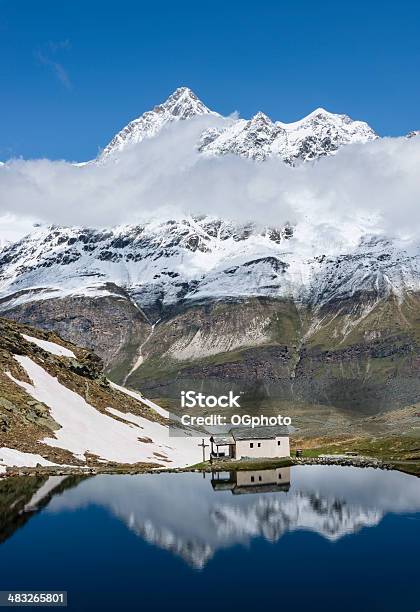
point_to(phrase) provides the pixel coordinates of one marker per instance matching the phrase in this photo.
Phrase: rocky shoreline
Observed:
(360, 462)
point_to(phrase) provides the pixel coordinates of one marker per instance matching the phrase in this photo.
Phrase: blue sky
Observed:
(73, 73)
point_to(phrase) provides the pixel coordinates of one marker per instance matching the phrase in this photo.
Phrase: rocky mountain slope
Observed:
(320, 133)
(57, 407)
(157, 266)
(227, 305)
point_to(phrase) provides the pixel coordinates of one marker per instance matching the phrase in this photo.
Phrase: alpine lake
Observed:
(301, 538)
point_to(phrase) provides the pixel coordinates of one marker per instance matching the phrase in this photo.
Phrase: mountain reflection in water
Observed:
(194, 515)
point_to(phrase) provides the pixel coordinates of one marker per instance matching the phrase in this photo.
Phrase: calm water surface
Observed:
(306, 538)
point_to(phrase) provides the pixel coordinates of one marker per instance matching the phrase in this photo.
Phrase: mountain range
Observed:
(199, 300)
(320, 133)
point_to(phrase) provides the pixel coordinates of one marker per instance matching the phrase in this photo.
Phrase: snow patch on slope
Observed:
(143, 400)
(14, 458)
(50, 347)
(86, 430)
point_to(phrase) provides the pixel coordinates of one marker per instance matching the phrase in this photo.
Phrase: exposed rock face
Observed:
(111, 326)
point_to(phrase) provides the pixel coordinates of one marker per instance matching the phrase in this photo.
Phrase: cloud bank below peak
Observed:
(376, 183)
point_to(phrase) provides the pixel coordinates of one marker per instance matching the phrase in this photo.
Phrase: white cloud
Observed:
(375, 186)
(47, 57)
(12, 228)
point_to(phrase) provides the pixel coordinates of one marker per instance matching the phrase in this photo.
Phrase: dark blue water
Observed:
(332, 538)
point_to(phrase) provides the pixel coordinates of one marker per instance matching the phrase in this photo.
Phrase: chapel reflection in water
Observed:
(241, 482)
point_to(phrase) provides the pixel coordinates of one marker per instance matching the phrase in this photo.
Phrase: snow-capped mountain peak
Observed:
(260, 118)
(317, 112)
(182, 104)
(319, 133)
